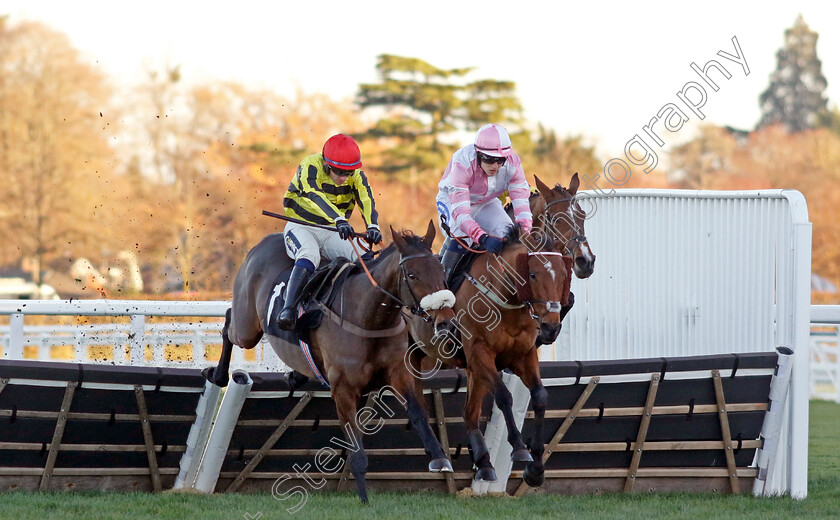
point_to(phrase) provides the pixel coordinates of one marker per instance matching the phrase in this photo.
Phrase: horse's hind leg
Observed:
(346, 399)
(504, 401)
(528, 370)
(403, 383)
(218, 375)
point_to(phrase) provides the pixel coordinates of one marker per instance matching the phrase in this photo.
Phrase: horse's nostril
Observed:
(443, 326)
(581, 262)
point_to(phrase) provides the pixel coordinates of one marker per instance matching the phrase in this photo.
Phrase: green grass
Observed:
(823, 500)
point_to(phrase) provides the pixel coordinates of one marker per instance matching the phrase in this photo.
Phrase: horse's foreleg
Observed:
(419, 417)
(476, 390)
(218, 375)
(528, 370)
(504, 401)
(346, 399)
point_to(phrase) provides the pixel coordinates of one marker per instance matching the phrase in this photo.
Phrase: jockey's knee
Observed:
(306, 263)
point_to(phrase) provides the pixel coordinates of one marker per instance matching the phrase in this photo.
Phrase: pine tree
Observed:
(795, 97)
(424, 102)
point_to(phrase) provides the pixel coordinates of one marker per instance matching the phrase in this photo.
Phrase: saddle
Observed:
(322, 288)
(459, 272)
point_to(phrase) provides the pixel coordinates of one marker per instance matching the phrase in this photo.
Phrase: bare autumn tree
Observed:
(555, 159)
(219, 154)
(272, 133)
(168, 169)
(693, 164)
(54, 156)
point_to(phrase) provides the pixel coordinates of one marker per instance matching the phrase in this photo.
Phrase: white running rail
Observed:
(135, 337)
(825, 352)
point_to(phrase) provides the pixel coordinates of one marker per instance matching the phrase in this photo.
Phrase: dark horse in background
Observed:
(557, 212)
(364, 350)
(507, 302)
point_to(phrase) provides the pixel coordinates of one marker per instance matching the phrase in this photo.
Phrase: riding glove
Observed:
(373, 235)
(490, 243)
(345, 230)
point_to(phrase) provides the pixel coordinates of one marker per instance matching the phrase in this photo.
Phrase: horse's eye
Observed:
(533, 275)
(412, 276)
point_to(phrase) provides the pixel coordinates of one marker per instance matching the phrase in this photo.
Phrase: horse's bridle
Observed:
(576, 241)
(549, 305)
(417, 309)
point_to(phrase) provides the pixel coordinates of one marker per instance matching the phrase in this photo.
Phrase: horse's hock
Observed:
(663, 424)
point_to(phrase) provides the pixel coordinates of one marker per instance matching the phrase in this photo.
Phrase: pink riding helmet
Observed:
(493, 140)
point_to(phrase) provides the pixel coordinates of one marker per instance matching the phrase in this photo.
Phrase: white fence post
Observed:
(220, 435)
(15, 336)
(137, 340)
(205, 412)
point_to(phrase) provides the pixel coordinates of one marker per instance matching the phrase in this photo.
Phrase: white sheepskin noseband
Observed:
(437, 300)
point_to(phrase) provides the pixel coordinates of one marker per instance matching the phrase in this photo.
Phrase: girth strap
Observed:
(358, 331)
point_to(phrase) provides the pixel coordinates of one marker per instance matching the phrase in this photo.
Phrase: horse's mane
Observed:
(514, 236)
(558, 188)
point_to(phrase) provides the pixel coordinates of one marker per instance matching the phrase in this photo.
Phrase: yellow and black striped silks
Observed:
(312, 196)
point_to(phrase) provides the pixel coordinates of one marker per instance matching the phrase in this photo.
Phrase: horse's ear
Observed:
(574, 184)
(430, 235)
(398, 238)
(545, 191)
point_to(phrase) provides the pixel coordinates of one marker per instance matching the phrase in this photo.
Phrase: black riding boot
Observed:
(288, 316)
(450, 258)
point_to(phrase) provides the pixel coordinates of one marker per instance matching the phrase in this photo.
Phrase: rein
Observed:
(418, 309)
(465, 246)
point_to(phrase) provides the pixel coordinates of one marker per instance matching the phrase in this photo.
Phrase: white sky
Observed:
(601, 69)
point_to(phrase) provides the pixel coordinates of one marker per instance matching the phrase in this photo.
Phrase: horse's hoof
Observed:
(440, 466)
(485, 475)
(533, 477)
(209, 374)
(521, 455)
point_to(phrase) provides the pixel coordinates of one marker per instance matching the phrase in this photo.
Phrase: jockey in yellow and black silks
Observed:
(325, 190)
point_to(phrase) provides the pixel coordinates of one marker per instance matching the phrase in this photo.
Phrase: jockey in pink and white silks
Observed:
(468, 195)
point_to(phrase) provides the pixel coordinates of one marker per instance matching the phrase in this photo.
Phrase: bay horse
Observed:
(361, 343)
(557, 212)
(513, 289)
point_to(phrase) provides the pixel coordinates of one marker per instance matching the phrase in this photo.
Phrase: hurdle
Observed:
(69, 426)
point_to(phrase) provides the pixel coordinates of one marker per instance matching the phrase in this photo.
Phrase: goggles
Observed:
(490, 159)
(341, 173)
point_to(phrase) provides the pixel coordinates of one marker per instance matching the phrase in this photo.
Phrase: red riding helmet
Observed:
(341, 151)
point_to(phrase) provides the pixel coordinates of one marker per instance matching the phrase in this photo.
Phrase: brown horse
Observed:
(557, 212)
(361, 343)
(510, 299)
